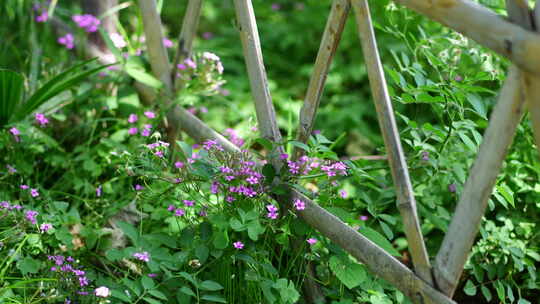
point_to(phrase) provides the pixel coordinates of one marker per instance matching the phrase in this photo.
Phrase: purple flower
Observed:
(67, 41)
(283, 156)
(311, 241)
(343, 193)
(41, 119)
(171, 208)
(208, 35)
(190, 63)
(276, 6)
(138, 187)
(11, 169)
(133, 131)
(45, 227)
(167, 43)
(179, 165)
(458, 78)
(179, 212)
(272, 212)
(142, 256)
(189, 203)
(24, 187)
(34, 192)
(83, 281)
(132, 118)
(30, 216)
(88, 22)
(42, 17)
(181, 66)
(425, 155)
(238, 245)
(150, 114)
(152, 275)
(364, 218)
(299, 205)
(15, 132)
(253, 180)
(452, 188)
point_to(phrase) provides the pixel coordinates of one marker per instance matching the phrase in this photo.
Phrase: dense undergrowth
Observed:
(96, 206)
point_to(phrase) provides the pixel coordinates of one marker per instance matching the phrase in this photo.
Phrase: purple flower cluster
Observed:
(142, 256)
(64, 267)
(272, 212)
(146, 128)
(158, 148)
(88, 22)
(232, 135)
(15, 132)
(41, 119)
(67, 40)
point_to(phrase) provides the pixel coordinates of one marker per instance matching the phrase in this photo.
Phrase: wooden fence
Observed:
(513, 37)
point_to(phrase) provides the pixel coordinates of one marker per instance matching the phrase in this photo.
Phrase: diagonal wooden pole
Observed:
(503, 123)
(471, 19)
(157, 53)
(329, 43)
(385, 113)
(471, 207)
(188, 32)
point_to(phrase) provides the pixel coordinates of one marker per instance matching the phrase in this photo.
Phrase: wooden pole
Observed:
(329, 43)
(188, 32)
(385, 113)
(485, 27)
(159, 60)
(471, 207)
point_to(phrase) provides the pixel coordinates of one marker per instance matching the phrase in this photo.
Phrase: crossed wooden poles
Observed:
(513, 38)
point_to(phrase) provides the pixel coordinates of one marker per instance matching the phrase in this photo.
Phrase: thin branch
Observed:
(471, 19)
(266, 114)
(385, 113)
(159, 59)
(329, 43)
(531, 84)
(465, 223)
(188, 32)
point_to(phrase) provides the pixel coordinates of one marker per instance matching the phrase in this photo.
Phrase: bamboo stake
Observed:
(251, 44)
(188, 32)
(385, 113)
(465, 223)
(329, 43)
(531, 83)
(159, 59)
(471, 19)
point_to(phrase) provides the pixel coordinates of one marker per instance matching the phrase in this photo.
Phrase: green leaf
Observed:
(210, 286)
(147, 283)
(158, 294)
(11, 91)
(57, 85)
(265, 143)
(190, 278)
(138, 73)
(236, 225)
(379, 239)
(185, 148)
(486, 293)
(114, 255)
(28, 265)
(221, 240)
(469, 288)
(151, 301)
(349, 273)
(202, 252)
(507, 193)
(300, 145)
(186, 290)
(477, 104)
(213, 298)
(287, 291)
(269, 173)
(254, 230)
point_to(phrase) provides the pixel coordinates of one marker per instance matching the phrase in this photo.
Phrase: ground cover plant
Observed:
(99, 205)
